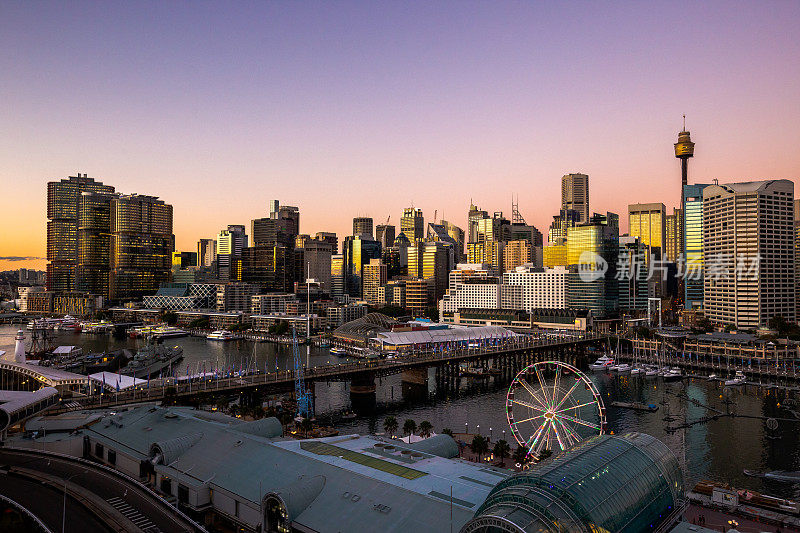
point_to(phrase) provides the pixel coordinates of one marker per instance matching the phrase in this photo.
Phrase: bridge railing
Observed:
(156, 389)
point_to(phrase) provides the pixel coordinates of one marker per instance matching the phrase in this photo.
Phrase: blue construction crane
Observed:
(304, 402)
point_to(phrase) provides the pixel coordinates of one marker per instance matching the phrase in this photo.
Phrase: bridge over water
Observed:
(507, 358)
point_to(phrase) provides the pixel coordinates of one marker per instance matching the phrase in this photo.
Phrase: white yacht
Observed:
(338, 351)
(672, 374)
(602, 363)
(738, 379)
(220, 335)
(624, 368)
(651, 372)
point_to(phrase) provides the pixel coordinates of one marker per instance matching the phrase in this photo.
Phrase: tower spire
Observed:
(684, 122)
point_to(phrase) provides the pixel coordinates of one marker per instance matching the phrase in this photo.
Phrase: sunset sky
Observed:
(348, 109)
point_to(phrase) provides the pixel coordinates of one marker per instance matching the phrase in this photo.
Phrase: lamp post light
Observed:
(490, 433)
(466, 427)
(478, 430)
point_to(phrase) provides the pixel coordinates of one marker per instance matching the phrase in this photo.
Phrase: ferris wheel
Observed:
(552, 405)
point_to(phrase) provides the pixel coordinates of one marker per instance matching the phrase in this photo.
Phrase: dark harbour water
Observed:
(717, 450)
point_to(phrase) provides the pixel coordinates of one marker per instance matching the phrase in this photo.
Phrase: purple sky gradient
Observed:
(348, 109)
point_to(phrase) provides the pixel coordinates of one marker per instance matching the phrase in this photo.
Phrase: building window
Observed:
(236, 508)
(112, 457)
(166, 485)
(98, 450)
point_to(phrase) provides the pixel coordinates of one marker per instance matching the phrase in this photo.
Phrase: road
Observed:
(122, 505)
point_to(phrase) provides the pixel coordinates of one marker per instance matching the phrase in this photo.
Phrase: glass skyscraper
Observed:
(693, 245)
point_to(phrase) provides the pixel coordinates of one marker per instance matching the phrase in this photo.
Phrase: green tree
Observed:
(501, 450)
(479, 446)
(447, 431)
(425, 429)
(282, 328)
(390, 425)
(409, 427)
(432, 313)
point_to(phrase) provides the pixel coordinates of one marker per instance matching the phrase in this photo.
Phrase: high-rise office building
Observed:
(413, 224)
(230, 243)
(93, 267)
(270, 267)
(317, 257)
(475, 214)
(646, 221)
(487, 252)
(673, 235)
(281, 227)
(516, 254)
(385, 234)
(362, 226)
(557, 234)
(575, 195)
(748, 248)
(797, 256)
(206, 252)
(437, 260)
(141, 246)
(183, 260)
(63, 207)
(458, 236)
(592, 254)
(330, 238)
(419, 295)
(338, 286)
(375, 276)
(691, 223)
(496, 228)
(358, 250)
(632, 273)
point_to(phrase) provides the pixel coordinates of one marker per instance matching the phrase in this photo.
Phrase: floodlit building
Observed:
(230, 243)
(206, 252)
(692, 242)
(646, 221)
(539, 288)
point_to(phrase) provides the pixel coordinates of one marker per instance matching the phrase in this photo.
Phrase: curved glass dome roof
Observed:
(616, 483)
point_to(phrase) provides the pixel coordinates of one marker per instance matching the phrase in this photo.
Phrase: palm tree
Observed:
(479, 445)
(409, 427)
(390, 425)
(520, 455)
(501, 450)
(425, 429)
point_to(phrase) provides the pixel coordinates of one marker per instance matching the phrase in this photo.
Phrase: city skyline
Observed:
(476, 104)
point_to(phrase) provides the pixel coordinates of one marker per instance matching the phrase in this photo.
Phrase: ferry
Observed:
(738, 379)
(341, 352)
(168, 332)
(603, 363)
(96, 327)
(221, 335)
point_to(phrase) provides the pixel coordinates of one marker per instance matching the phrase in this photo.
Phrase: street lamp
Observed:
(466, 427)
(490, 433)
(64, 510)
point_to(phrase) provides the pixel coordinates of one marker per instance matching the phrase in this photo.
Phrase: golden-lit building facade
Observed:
(555, 255)
(488, 253)
(141, 246)
(517, 253)
(646, 221)
(63, 213)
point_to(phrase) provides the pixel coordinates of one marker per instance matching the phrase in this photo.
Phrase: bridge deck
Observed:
(158, 389)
